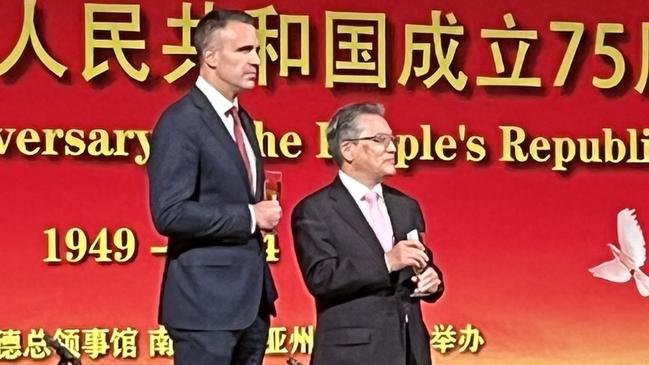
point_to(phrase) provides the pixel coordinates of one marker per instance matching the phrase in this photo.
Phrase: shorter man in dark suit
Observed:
(345, 238)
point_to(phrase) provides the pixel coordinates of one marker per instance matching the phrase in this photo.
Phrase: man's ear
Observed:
(347, 151)
(211, 53)
(210, 57)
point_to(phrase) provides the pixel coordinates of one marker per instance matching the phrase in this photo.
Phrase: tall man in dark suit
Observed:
(206, 185)
(345, 238)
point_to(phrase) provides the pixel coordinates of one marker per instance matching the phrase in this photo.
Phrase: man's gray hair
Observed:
(216, 19)
(344, 125)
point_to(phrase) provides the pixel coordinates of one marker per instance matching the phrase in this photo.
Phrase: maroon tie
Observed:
(239, 139)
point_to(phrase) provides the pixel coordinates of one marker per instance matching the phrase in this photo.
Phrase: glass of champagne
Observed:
(273, 189)
(273, 185)
(418, 236)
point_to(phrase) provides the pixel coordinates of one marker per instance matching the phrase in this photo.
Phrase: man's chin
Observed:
(390, 171)
(248, 85)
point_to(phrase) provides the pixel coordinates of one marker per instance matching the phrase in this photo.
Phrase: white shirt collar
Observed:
(219, 102)
(356, 189)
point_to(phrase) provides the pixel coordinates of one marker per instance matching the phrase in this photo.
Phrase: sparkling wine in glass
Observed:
(418, 236)
(273, 185)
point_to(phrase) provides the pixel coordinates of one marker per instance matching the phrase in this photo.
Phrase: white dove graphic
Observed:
(631, 255)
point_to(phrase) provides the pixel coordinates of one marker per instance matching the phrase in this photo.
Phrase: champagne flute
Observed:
(273, 185)
(418, 236)
(273, 188)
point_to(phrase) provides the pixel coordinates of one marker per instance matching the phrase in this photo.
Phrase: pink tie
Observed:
(379, 224)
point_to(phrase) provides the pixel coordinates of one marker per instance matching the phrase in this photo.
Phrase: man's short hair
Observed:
(344, 125)
(214, 20)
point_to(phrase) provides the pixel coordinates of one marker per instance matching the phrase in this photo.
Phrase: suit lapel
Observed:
(216, 126)
(397, 216)
(347, 208)
(400, 226)
(249, 130)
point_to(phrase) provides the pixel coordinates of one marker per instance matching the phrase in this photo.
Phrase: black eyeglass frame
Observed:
(382, 138)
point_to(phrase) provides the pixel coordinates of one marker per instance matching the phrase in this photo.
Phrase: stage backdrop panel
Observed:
(525, 132)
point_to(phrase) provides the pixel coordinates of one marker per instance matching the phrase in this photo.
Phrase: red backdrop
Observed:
(514, 239)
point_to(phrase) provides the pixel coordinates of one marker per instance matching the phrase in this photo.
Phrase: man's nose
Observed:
(392, 148)
(254, 57)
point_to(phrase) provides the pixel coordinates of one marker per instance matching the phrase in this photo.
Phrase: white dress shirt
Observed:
(358, 191)
(222, 107)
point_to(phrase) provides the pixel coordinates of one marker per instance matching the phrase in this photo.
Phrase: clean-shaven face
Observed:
(235, 57)
(372, 158)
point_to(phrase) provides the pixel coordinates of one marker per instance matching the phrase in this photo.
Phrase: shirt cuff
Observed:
(253, 221)
(387, 263)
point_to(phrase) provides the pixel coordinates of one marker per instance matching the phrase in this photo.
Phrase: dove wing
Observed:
(630, 236)
(641, 282)
(612, 270)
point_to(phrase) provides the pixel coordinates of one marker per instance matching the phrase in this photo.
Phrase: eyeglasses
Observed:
(381, 138)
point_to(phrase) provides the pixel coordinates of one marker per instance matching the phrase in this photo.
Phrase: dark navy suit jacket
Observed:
(216, 276)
